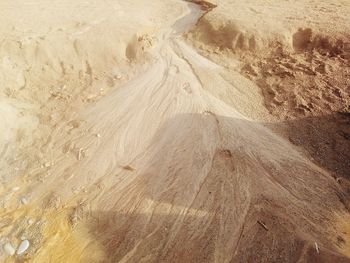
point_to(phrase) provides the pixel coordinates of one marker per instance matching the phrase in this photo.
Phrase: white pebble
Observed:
(15, 189)
(9, 249)
(24, 201)
(30, 221)
(23, 247)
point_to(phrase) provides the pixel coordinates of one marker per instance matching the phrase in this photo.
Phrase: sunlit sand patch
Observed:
(63, 243)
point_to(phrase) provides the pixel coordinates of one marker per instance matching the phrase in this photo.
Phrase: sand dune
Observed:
(124, 141)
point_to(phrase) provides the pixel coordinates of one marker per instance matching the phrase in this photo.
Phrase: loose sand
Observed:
(153, 131)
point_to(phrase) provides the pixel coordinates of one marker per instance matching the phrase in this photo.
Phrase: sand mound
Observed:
(136, 148)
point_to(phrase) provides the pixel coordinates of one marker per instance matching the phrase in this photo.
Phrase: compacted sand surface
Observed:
(173, 131)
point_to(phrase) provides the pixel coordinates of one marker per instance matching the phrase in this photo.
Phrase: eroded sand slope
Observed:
(123, 144)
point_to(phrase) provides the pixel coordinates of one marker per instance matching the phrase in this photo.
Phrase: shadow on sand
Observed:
(218, 189)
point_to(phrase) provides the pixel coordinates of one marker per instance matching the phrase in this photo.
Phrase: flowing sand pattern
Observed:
(174, 131)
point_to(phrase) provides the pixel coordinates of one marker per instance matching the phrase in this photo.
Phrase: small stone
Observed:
(81, 154)
(24, 201)
(128, 167)
(30, 221)
(98, 135)
(15, 189)
(23, 247)
(9, 249)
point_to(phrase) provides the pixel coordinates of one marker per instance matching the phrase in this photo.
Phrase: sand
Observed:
(138, 131)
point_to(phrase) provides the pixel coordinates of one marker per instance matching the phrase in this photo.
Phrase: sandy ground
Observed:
(123, 141)
(298, 55)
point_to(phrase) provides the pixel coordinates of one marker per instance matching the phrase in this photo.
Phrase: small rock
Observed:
(24, 201)
(128, 167)
(317, 249)
(23, 247)
(9, 249)
(81, 154)
(30, 221)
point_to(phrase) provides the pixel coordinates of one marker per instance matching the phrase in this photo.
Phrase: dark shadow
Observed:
(166, 238)
(219, 189)
(325, 139)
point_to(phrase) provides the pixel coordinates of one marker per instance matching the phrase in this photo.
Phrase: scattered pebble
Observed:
(24, 201)
(81, 154)
(317, 249)
(30, 221)
(23, 247)
(9, 249)
(128, 167)
(98, 135)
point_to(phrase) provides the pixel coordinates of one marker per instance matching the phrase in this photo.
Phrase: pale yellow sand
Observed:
(122, 143)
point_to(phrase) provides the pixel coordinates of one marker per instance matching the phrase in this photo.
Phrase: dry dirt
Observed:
(170, 131)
